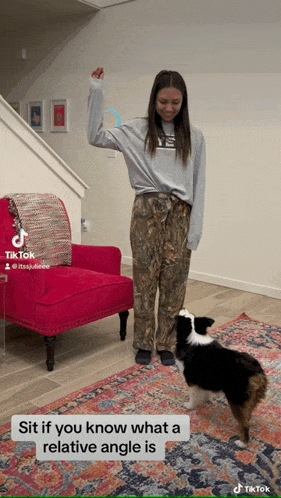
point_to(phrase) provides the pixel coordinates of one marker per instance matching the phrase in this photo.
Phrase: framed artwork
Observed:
(36, 115)
(16, 106)
(59, 116)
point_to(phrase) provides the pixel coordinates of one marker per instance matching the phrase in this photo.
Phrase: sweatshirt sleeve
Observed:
(197, 211)
(97, 136)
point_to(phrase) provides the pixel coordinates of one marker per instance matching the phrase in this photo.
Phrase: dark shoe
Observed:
(167, 358)
(143, 357)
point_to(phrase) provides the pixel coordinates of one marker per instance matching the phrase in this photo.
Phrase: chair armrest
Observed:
(104, 259)
(28, 282)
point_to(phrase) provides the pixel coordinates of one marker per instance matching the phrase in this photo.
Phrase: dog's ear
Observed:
(209, 322)
(183, 326)
(202, 323)
(181, 323)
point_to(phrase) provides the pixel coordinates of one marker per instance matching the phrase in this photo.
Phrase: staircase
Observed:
(29, 165)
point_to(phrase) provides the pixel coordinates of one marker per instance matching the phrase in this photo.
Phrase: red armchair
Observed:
(52, 301)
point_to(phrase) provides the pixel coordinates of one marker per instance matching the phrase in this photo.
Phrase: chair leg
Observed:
(50, 342)
(123, 324)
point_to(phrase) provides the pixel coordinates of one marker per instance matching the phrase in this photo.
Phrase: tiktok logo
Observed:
(238, 489)
(18, 240)
(252, 489)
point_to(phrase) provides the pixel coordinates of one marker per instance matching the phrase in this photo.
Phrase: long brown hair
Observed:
(167, 79)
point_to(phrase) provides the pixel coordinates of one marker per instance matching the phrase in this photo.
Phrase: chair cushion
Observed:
(74, 296)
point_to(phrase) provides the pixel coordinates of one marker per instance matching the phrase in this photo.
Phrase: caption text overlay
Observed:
(100, 437)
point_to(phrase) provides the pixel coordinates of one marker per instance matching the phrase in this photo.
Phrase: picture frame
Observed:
(36, 115)
(59, 116)
(16, 106)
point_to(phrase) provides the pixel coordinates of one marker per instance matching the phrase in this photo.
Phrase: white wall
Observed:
(229, 54)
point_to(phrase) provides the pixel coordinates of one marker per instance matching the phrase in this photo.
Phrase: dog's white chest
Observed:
(199, 340)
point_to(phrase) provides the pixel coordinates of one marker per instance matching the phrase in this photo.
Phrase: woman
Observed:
(165, 157)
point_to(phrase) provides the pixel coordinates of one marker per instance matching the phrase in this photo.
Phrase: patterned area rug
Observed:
(209, 464)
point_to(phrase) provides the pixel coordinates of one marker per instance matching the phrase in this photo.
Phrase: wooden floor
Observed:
(94, 352)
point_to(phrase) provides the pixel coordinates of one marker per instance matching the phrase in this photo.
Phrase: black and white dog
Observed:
(209, 367)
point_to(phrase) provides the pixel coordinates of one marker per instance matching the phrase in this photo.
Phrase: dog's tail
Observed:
(256, 392)
(257, 387)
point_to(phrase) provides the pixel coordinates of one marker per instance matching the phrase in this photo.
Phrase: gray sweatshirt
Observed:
(161, 173)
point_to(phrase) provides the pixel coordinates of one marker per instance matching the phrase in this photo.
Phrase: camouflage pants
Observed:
(161, 259)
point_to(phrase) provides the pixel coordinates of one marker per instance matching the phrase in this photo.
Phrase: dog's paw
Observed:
(189, 406)
(241, 444)
(209, 398)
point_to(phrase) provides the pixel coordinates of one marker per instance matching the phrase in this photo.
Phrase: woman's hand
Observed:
(98, 73)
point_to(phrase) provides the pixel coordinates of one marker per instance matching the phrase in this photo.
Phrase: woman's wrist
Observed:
(95, 82)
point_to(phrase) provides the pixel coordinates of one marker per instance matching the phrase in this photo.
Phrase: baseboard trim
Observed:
(264, 290)
(127, 260)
